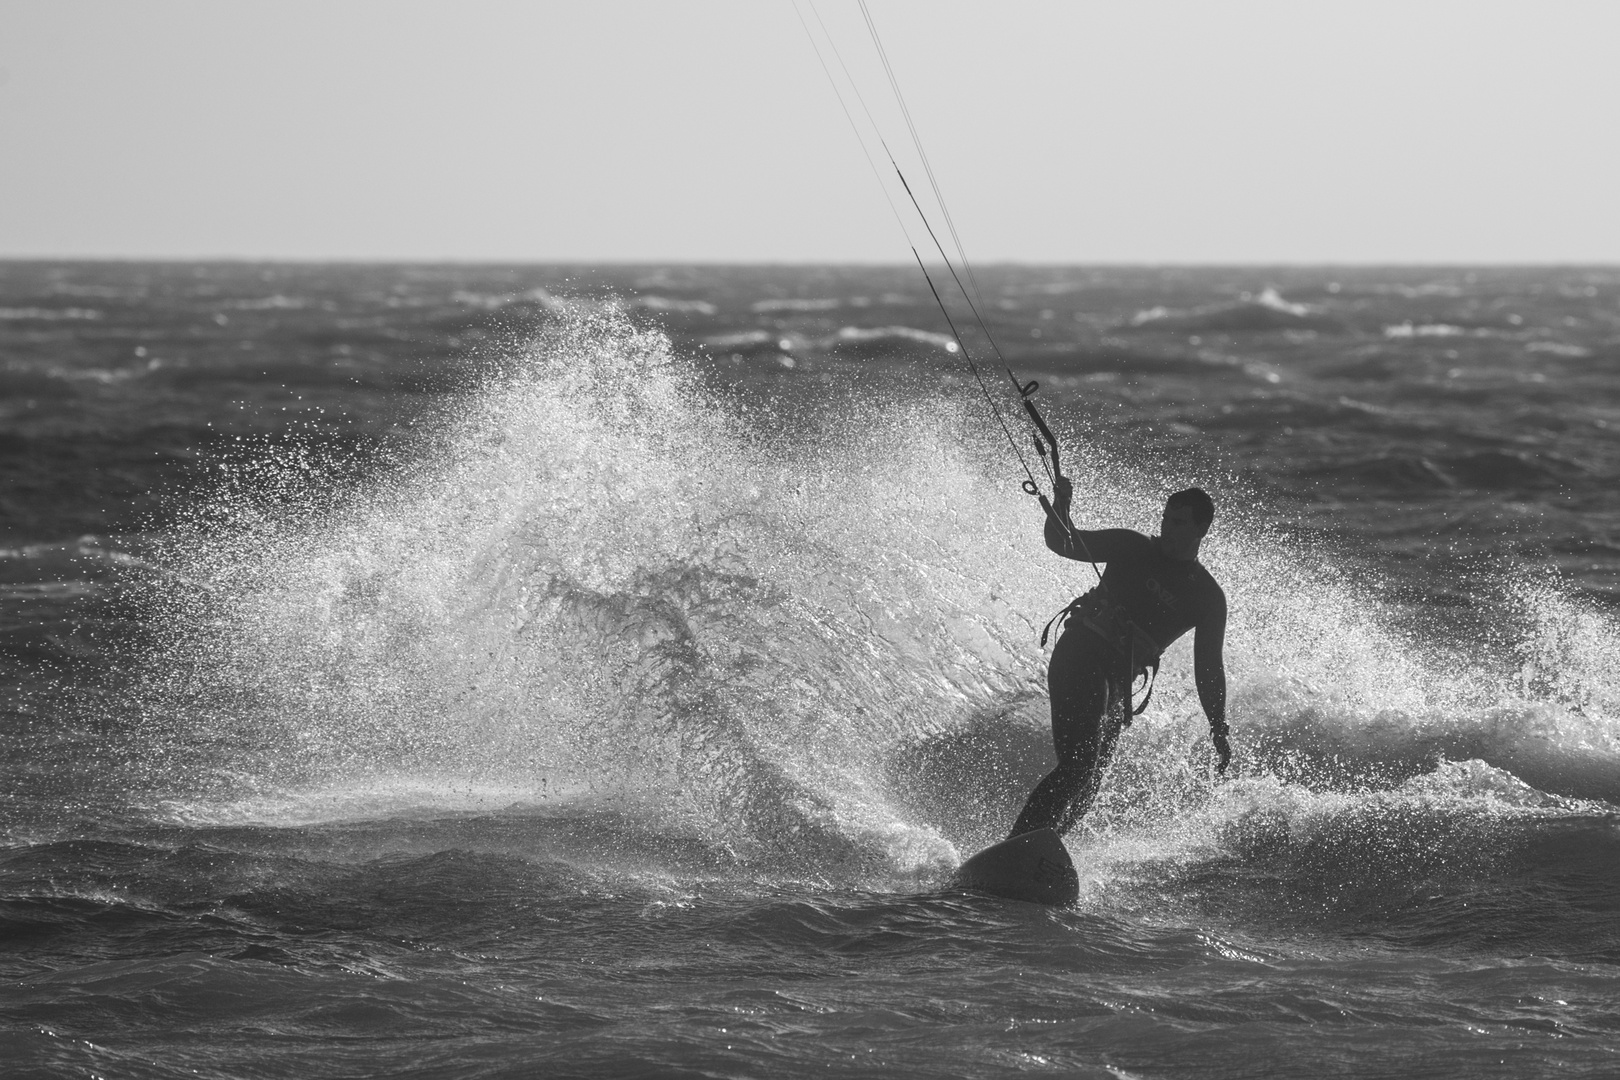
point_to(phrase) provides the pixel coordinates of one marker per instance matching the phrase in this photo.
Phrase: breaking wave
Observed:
(602, 581)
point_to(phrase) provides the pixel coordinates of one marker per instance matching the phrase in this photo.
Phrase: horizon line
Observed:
(1189, 264)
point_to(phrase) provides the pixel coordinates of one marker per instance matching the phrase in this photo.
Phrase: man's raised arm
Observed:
(1086, 545)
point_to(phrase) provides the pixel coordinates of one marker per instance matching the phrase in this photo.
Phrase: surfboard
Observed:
(1032, 866)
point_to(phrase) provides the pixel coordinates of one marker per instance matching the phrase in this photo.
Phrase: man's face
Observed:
(1181, 525)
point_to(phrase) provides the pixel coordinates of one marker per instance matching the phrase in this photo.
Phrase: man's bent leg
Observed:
(1083, 735)
(1091, 781)
(1050, 799)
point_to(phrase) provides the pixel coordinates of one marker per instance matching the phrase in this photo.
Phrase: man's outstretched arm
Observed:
(1209, 674)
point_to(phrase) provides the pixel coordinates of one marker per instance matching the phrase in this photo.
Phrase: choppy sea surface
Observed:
(469, 671)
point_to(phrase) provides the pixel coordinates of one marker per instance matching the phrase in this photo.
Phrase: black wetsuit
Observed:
(1090, 675)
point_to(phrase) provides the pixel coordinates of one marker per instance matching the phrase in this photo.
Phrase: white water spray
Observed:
(596, 579)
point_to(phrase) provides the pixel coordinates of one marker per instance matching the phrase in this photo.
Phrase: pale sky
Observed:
(1458, 131)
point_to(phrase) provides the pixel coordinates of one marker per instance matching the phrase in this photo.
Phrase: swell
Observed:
(1435, 864)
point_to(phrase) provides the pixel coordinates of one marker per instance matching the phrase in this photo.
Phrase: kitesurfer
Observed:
(1153, 591)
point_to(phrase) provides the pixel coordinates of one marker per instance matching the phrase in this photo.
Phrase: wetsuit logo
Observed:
(1161, 594)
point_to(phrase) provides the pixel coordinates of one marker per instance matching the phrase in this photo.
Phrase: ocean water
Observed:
(576, 671)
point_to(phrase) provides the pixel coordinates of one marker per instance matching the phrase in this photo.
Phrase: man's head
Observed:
(1195, 499)
(1187, 516)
